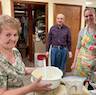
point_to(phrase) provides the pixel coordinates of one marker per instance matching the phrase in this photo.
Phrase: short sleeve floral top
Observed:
(11, 75)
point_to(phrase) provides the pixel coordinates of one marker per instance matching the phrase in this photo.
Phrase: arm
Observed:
(36, 86)
(75, 59)
(28, 70)
(77, 49)
(47, 53)
(69, 43)
(70, 54)
(49, 42)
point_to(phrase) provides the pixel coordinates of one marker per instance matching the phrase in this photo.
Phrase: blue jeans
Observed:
(59, 58)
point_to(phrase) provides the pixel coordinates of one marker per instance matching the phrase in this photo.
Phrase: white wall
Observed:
(34, 0)
(91, 3)
(50, 15)
(75, 2)
(6, 8)
(71, 2)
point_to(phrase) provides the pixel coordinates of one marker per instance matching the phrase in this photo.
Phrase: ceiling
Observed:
(91, 3)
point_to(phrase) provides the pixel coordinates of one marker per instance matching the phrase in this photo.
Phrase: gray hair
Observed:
(8, 21)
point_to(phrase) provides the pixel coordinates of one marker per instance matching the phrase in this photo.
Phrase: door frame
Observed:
(73, 50)
(30, 40)
(0, 8)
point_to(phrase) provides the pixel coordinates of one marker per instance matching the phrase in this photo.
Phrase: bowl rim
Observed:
(74, 78)
(59, 78)
(47, 79)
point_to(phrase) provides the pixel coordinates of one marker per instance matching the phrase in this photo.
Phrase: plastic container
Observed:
(41, 60)
(74, 84)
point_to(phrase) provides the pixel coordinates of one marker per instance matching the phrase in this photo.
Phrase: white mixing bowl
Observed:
(50, 74)
(74, 84)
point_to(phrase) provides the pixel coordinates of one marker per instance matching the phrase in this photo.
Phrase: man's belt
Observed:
(60, 47)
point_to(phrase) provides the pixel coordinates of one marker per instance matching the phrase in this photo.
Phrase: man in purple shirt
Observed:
(59, 38)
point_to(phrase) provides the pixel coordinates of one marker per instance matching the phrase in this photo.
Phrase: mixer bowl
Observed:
(51, 74)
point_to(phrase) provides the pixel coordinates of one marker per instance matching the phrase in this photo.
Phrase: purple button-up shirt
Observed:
(59, 36)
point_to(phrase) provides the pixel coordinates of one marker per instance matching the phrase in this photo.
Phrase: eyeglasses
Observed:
(89, 16)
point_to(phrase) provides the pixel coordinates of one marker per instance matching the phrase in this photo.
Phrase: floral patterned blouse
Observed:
(11, 75)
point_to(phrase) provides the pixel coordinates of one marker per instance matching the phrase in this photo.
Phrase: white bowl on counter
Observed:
(74, 84)
(51, 74)
(92, 92)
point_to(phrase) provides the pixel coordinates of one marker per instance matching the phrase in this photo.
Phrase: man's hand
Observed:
(70, 54)
(47, 54)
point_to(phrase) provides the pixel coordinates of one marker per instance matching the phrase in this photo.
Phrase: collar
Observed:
(59, 27)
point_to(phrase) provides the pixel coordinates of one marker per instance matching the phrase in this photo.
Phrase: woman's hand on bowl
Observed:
(41, 86)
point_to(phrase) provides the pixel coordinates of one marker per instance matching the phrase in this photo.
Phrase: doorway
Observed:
(33, 18)
(73, 21)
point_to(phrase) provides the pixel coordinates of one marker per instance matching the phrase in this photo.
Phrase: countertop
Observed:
(61, 90)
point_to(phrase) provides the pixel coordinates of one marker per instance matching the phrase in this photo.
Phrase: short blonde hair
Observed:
(8, 21)
(90, 9)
